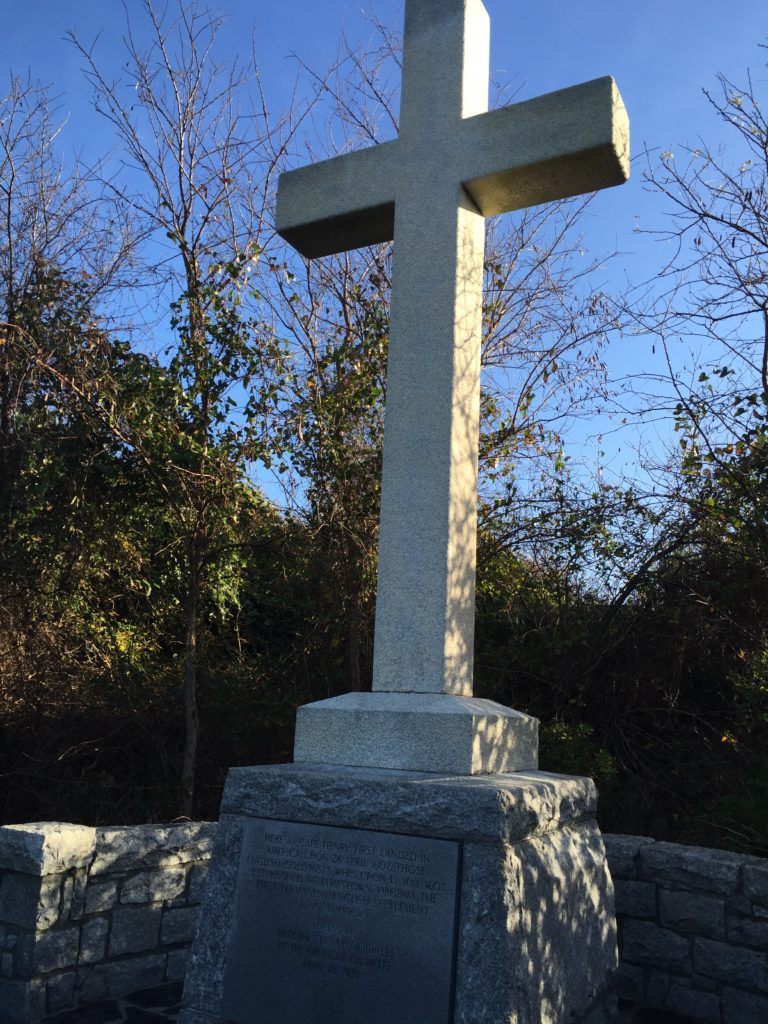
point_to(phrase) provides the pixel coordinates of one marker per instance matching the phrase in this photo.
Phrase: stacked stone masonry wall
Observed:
(693, 929)
(88, 913)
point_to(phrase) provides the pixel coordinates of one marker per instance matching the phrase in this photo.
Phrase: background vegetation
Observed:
(161, 618)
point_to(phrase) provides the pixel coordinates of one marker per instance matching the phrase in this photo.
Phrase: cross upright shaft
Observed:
(453, 164)
(426, 587)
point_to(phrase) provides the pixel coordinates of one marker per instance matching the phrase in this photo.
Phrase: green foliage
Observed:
(571, 750)
(143, 574)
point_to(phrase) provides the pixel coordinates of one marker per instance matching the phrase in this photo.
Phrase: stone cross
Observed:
(454, 164)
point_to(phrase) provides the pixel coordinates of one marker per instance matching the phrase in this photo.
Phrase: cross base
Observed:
(425, 732)
(536, 935)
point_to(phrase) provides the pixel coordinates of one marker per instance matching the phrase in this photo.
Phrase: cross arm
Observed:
(343, 203)
(562, 144)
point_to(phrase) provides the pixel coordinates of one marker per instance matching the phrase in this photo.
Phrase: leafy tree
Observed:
(196, 177)
(51, 217)
(714, 296)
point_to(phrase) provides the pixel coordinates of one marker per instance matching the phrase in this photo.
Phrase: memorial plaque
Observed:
(341, 926)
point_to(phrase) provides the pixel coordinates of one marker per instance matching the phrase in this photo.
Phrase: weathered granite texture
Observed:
(478, 808)
(682, 911)
(425, 732)
(87, 913)
(693, 929)
(536, 925)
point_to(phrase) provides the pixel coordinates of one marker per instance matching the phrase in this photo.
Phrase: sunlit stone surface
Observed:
(436, 732)
(453, 164)
(536, 934)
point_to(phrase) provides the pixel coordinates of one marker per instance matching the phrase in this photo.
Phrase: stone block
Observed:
(695, 998)
(656, 988)
(740, 905)
(19, 899)
(485, 808)
(152, 846)
(690, 1002)
(756, 881)
(176, 967)
(604, 1010)
(101, 896)
(46, 848)
(691, 867)
(416, 732)
(630, 982)
(536, 923)
(30, 902)
(179, 924)
(692, 913)
(733, 965)
(134, 930)
(77, 907)
(746, 932)
(93, 940)
(49, 906)
(24, 956)
(154, 886)
(60, 991)
(190, 1016)
(744, 1007)
(644, 942)
(705, 984)
(204, 978)
(67, 891)
(6, 965)
(622, 853)
(21, 1001)
(197, 877)
(121, 977)
(636, 899)
(56, 949)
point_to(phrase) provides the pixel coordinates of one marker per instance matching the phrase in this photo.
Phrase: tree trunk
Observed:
(354, 623)
(6, 417)
(354, 613)
(192, 722)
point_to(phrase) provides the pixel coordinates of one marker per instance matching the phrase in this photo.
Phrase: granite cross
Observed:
(453, 164)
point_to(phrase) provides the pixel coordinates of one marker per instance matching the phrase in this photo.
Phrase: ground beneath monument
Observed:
(151, 1006)
(161, 1005)
(630, 1014)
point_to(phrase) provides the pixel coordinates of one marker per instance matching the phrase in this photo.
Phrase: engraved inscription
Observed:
(341, 925)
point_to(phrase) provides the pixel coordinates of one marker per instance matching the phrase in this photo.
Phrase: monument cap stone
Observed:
(439, 733)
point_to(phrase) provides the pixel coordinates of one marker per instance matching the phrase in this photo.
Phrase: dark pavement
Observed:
(152, 1006)
(161, 1005)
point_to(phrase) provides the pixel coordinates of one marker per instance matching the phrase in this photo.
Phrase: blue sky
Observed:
(661, 52)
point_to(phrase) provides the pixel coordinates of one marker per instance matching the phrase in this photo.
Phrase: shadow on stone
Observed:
(161, 996)
(104, 1012)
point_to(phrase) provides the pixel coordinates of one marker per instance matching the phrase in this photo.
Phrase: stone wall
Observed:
(693, 929)
(86, 913)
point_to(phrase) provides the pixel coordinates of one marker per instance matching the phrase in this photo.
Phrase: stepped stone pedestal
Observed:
(372, 896)
(429, 732)
(412, 866)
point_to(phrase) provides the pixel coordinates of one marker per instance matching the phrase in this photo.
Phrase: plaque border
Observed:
(454, 947)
